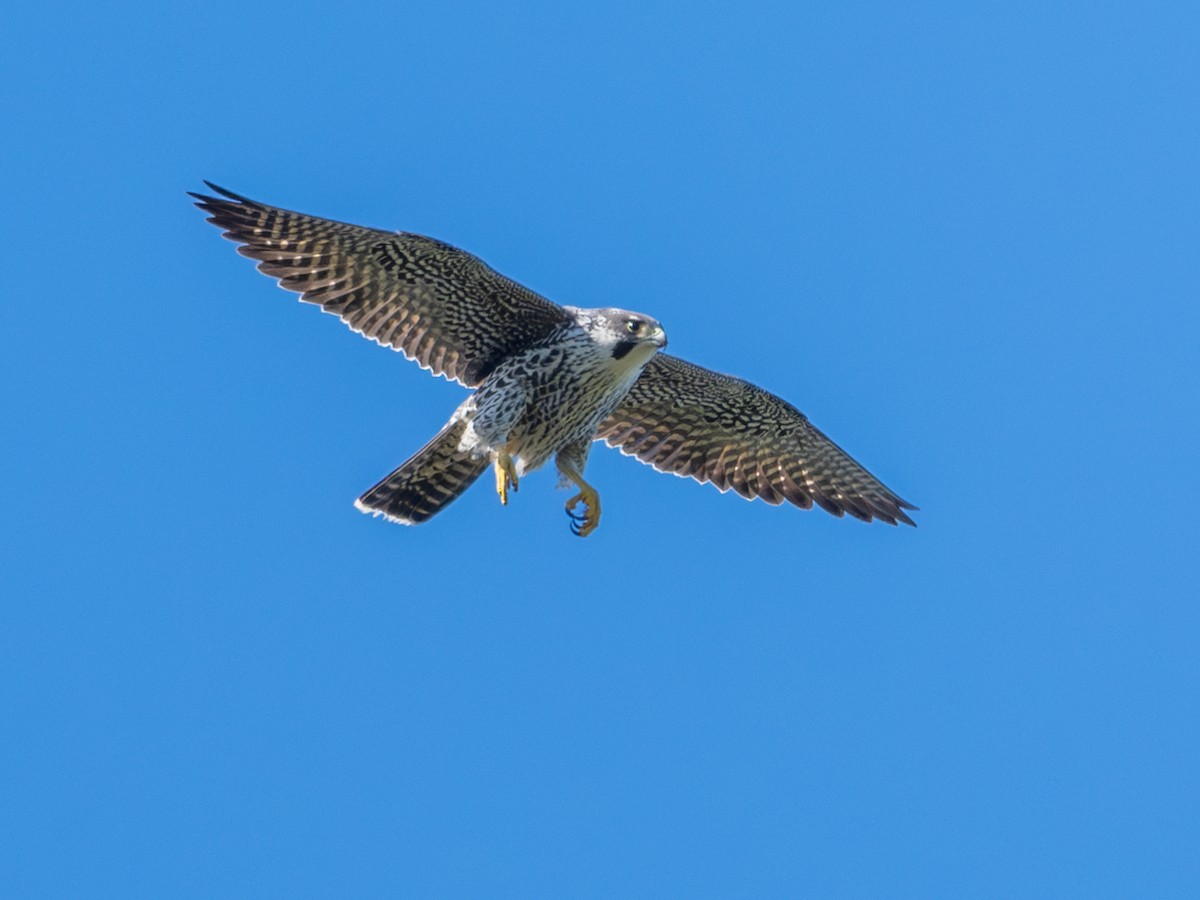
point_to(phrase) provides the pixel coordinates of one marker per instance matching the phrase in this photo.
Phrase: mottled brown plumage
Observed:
(550, 379)
(436, 304)
(430, 479)
(689, 421)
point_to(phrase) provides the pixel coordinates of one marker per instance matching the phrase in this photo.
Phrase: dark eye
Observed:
(633, 326)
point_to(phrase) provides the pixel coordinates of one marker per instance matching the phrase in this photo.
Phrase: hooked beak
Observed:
(660, 338)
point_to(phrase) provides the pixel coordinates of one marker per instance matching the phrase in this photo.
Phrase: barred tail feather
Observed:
(426, 483)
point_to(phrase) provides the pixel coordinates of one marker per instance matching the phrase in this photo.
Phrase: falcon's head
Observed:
(622, 332)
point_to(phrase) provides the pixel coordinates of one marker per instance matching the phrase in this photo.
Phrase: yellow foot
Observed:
(506, 476)
(584, 523)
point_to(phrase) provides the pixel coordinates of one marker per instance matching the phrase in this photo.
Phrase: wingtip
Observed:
(223, 192)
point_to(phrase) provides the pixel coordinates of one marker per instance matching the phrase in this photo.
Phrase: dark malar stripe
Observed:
(622, 349)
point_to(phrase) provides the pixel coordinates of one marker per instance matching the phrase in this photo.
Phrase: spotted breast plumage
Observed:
(549, 380)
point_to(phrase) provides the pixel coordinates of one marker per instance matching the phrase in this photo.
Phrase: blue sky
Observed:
(962, 239)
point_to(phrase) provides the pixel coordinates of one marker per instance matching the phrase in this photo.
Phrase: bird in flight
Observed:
(548, 380)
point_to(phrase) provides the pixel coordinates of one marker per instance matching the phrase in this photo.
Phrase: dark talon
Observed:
(579, 520)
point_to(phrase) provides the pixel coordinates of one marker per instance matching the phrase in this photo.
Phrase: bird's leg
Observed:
(583, 523)
(506, 475)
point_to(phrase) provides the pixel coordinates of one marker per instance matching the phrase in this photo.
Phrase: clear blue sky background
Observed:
(964, 240)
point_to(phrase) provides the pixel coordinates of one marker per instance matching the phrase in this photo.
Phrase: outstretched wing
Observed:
(436, 304)
(692, 422)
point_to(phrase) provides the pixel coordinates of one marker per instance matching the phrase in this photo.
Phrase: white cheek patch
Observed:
(634, 361)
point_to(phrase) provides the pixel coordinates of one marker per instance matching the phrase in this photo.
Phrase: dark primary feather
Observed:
(434, 303)
(690, 421)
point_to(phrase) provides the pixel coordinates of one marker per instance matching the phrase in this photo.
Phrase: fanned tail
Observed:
(433, 478)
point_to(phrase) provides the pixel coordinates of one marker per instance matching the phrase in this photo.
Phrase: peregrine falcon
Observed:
(549, 380)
